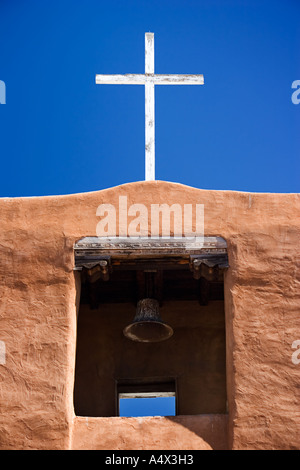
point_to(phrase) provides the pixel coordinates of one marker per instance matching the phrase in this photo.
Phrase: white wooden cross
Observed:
(149, 79)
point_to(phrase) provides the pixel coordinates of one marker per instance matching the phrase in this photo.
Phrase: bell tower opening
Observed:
(151, 327)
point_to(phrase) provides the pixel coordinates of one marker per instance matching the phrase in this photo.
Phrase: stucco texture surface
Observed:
(39, 298)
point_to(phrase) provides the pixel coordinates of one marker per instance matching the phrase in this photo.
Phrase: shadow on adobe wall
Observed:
(212, 428)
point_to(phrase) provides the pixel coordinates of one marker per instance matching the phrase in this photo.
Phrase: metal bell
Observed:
(147, 326)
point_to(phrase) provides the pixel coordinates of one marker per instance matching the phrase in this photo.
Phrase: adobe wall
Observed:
(38, 314)
(203, 432)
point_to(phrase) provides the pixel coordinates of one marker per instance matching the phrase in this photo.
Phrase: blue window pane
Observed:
(160, 406)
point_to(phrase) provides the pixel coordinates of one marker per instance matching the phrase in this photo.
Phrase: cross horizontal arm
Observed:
(178, 79)
(141, 79)
(128, 79)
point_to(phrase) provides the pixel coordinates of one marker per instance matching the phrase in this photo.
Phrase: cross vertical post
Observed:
(149, 109)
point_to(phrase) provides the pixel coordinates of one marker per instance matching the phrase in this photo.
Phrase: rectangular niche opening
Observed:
(156, 399)
(111, 369)
(144, 404)
(136, 398)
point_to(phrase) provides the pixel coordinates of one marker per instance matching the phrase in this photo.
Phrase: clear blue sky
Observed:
(60, 133)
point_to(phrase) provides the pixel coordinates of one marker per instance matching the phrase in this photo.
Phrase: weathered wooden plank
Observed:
(147, 243)
(177, 79)
(149, 110)
(212, 251)
(127, 79)
(149, 53)
(142, 79)
(149, 132)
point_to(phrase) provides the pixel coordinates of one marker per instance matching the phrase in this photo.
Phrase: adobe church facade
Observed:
(233, 306)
